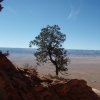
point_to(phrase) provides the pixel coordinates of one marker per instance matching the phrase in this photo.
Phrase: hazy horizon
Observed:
(36, 48)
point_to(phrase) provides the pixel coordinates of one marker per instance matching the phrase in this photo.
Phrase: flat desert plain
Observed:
(87, 68)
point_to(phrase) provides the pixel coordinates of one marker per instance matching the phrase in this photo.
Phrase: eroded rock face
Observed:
(14, 85)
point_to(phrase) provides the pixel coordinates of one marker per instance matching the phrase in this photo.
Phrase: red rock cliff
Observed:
(14, 85)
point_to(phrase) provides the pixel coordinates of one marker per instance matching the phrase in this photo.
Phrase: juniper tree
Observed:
(49, 43)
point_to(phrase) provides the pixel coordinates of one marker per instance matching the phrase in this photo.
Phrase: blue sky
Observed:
(22, 20)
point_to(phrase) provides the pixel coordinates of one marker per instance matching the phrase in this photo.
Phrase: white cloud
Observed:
(74, 9)
(73, 13)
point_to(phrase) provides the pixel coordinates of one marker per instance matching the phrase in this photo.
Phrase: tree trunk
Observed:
(57, 70)
(54, 62)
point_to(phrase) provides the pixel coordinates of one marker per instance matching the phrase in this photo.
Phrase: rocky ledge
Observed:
(18, 84)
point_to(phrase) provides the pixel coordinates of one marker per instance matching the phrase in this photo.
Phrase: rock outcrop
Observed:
(16, 85)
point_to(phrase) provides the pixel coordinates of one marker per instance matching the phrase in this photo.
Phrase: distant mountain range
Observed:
(71, 52)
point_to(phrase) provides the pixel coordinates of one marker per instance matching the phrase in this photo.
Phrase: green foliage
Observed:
(49, 43)
(1, 5)
(6, 53)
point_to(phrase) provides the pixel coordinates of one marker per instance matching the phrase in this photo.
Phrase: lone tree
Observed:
(49, 43)
(1, 5)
